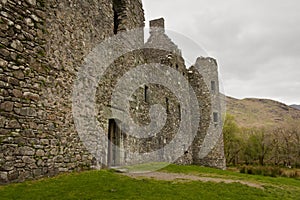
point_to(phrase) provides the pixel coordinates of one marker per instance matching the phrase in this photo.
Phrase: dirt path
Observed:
(185, 177)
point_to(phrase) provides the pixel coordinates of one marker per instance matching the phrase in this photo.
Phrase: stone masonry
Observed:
(43, 44)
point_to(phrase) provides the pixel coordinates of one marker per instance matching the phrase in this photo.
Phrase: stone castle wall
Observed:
(212, 147)
(42, 46)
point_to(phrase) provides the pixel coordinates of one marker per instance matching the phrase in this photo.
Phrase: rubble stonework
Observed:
(43, 44)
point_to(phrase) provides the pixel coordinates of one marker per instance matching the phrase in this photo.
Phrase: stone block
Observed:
(20, 165)
(31, 96)
(40, 153)
(13, 124)
(13, 175)
(40, 162)
(27, 111)
(3, 63)
(2, 122)
(5, 53)
(31, 2)
(7, 106)
(17, 45)
(18, 74)
(17, 93)
(33, 125)
(29, 22)
(59, 159)
(54, 152)
(3, 177)
(8, 166)
(37, 172)
(62, 169)
(23, 175)
(13, 81)
(26, 151)
(28, 160)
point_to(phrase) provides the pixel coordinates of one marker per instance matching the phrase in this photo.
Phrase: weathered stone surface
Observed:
(16, 44)
(40, 153)
(37, 172)
(17, 93)
(13, 124)
(7, 106)
(4, 1)
(23, 175)
(28, 112)
(3, 63)
(18, 27)
(5, 53)
(29, 22)
(13, 81)
(59, 159)
(61, 169)
(45, 141)
(20, 165)
(26, 151)
(19, 74)
(8, 166)
(31, 96)
(12, 175)
(9, 158)
(43, 45)
(28, 160)
(53, 152)
(33, 125)
(2, 123)
(31, 2)
(3, 177)
(35, 18)
(40, 163)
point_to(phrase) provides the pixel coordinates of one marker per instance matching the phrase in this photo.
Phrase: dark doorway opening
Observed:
(114, 141)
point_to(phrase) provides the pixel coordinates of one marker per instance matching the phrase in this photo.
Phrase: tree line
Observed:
(278, 146)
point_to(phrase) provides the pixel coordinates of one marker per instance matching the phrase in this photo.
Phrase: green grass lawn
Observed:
(106, 184)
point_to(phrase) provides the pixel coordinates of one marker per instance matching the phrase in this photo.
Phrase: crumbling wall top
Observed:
(157, 23)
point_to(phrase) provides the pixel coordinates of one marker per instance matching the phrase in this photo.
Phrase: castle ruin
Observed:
(43, 46)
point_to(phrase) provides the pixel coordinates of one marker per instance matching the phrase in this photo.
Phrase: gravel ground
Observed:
(185, 177)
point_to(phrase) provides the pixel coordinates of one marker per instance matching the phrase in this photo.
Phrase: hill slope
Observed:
(295, 106)
(251, 112)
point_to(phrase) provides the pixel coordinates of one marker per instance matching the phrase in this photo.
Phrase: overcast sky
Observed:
(256, 42)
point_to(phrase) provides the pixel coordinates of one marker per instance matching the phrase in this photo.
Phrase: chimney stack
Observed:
(157, 25)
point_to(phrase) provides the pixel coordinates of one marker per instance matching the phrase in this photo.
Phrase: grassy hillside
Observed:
(110, 185)
(252, 112)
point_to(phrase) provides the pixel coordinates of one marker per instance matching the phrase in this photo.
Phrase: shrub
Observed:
(265, 171)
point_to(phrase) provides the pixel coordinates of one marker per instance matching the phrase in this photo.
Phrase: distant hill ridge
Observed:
(252, 112)
(295, 106)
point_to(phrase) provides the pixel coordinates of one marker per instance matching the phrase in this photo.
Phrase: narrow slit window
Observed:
(146, 94)
(116, 22)
(176, 67)
(167, 105)
(213, 86)
(216, 117)
(118, 9)
(179, 111)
